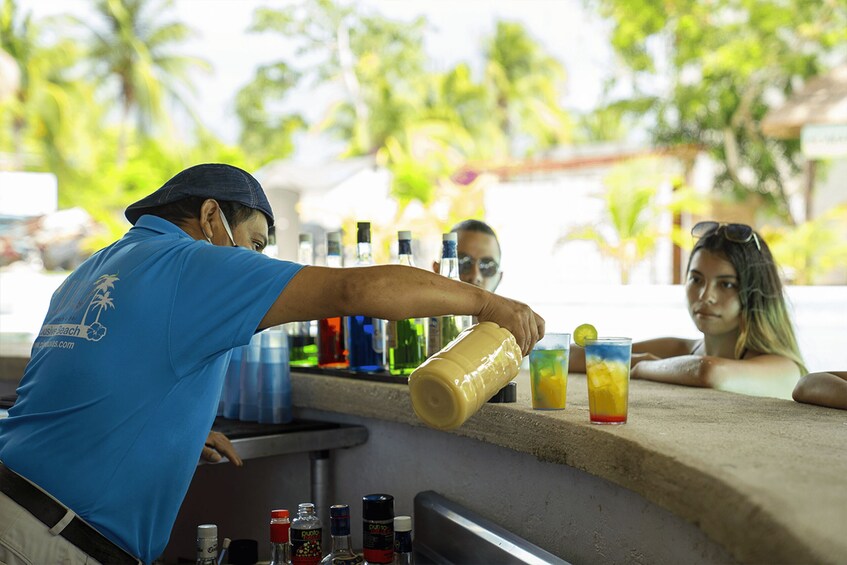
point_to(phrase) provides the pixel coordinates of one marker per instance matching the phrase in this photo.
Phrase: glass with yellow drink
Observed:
(548, 369)
(607, 361)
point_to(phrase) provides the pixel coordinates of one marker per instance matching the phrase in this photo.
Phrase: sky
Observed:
(565, 28)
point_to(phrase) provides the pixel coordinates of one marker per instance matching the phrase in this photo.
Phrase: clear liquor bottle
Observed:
(332, 353)
(306, 536)
(403, 541)
(302, 336)
(280, 541)
(342, 546)
(444, 329)
(405, 339)
(365, 336)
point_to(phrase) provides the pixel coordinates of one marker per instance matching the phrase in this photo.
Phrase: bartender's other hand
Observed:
(217, 447)
(517, 317)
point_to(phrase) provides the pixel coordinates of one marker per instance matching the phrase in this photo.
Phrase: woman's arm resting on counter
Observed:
(764, 375)
(397, 292)
(651, 349)
(825, 389)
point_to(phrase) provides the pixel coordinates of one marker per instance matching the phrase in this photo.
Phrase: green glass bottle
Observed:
(405, 339)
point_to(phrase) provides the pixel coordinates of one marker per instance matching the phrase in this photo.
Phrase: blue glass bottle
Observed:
(364, 336)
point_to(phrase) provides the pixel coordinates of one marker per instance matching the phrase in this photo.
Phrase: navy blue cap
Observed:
(211, 180)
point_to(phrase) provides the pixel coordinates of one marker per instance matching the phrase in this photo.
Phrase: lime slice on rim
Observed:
(583, 333)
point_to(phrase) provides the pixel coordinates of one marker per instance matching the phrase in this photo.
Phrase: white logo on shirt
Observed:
(100, 301)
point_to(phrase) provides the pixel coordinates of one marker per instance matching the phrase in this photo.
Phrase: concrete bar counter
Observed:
(695, 476)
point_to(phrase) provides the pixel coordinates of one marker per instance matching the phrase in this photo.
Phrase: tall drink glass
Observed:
(548, 369)
(607, 361)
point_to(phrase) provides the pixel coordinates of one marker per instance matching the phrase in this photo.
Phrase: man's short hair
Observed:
(477, 226)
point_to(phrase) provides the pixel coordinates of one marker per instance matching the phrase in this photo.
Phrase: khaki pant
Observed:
(25, 540)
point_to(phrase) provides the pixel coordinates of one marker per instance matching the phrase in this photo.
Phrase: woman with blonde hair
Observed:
(735, 298)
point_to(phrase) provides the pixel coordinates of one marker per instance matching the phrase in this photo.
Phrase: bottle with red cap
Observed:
(280, 543)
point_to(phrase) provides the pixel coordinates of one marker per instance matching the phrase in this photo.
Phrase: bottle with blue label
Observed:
(274, 386)
(405, 339)
(444, 329)
(365, 336)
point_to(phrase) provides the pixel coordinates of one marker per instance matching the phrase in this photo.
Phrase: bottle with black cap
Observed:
(365, 336)
(405, 339)
(378, 528)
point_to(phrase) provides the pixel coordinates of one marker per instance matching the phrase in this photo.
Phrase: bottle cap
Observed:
(405, 234)
(339, 510)
(305, 237)
(306, 506)
(334, 236)
(402, 523)
(452, 236)
(363, 232)
(508, 393)
(279, 513)
(378, 507)
(207, 531)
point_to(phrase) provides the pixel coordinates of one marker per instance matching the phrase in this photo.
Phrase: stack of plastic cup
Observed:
(232, 385)
(249, 407)
(274, 381)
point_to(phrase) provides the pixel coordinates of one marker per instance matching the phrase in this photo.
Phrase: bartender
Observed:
(479, 254)
(115, 406)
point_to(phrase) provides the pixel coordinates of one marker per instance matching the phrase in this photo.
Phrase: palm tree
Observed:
(45, 97)
(526, 83)
(130, 46)
(630, 213)
(102, 302)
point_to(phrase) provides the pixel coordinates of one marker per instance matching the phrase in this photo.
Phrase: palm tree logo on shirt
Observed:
(102, 300)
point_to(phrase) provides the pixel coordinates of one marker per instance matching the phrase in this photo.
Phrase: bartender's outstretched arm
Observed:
(396, 292)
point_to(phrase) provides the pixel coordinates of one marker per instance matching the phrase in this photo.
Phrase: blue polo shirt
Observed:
(123, 385)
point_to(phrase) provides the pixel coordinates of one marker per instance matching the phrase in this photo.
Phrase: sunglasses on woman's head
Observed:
(487, 265)
(739, 233)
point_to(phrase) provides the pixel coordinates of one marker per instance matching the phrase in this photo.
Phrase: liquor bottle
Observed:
(403, 541)
(302, 336)
(331, 351)
(342, 547)
(444, 329)
(207, 544)
(280, 544)
(378, 528)
(405, 339)
(306, 536)
(365, 336)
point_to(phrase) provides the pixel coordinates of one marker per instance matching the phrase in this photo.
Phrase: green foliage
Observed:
(728, 60)
(812, 250)
(132, 54)
(628, 233)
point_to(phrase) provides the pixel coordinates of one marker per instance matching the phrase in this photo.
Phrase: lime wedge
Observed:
(584, 332)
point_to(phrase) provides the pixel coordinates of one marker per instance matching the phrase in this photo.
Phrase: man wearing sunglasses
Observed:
(479, 254)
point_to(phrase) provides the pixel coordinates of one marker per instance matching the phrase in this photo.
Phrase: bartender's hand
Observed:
(217, 447)
(517, 317)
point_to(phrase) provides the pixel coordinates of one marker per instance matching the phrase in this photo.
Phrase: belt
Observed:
(50, 512)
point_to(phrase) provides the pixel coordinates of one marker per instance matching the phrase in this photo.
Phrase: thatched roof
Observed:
(823, 100)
